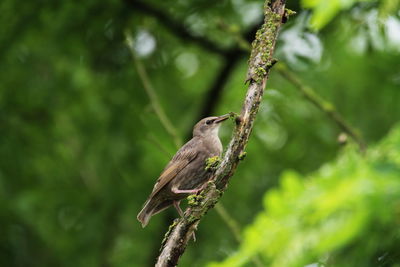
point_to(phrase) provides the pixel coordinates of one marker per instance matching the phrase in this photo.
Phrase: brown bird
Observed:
(185, 174)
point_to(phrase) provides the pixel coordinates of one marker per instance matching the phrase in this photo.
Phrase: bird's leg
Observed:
(188, 191)
(178, 208)
(185, 191)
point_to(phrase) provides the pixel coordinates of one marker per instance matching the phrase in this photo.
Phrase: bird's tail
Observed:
(146, 213)
(152, 207)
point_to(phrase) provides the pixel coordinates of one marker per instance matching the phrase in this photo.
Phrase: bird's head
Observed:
(209, 125)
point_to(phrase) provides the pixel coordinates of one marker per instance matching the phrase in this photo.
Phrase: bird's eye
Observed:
(208, 122)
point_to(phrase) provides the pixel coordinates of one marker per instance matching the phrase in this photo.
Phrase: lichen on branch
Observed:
(212, 163)
(262, 47)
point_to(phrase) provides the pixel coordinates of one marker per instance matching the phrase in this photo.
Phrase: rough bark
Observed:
(260, 63)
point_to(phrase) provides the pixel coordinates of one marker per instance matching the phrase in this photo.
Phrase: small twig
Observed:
(322, 104)
(229, 221)
(234, 227)
(153, 140)
(260, 63)
(155, 103)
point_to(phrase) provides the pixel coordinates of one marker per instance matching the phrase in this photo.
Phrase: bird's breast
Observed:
(213, 145)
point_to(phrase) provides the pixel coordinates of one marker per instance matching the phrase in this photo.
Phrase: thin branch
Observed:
(322, 104)
(155, 103)
(260, 63)
(234, 227)
(229, 221)
(153, 140)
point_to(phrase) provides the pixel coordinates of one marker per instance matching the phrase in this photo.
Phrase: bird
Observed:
(186, 173)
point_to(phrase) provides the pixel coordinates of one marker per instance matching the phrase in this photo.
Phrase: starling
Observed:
(185, 174)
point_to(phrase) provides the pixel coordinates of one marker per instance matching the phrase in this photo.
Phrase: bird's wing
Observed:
(182, 158)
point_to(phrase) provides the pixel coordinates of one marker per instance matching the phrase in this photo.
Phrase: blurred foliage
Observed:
(325, 11)
(81, 145)
(345, 214)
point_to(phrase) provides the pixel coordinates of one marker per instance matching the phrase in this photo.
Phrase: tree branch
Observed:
(261, 61)
(151, 93)
(234, 227)
(322, 104)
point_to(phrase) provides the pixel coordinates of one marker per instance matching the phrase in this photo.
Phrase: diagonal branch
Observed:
(260, 63)
(234, 227)
(151, 93)
(323, 105)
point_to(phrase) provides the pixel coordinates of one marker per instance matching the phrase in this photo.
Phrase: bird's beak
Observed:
(222, 118)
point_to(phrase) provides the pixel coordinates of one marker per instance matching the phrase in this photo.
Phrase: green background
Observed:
(81, 144)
